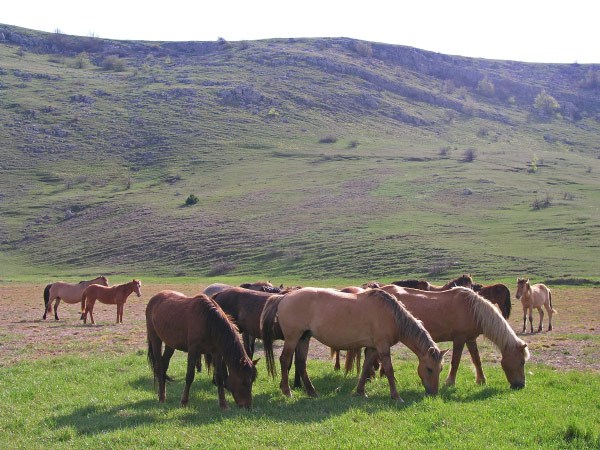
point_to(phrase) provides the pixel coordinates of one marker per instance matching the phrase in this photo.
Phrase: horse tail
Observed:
(83, 298)
(151, 360)
(47, 295)
(352, 358)
(268, 320)
(550, 300)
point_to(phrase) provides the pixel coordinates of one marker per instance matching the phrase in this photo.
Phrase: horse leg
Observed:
(301, 357)
(219, 379)
(530, 311)
(336, 365)
(248, 344)
(457, 348)
(158, 362)
(189, 376)
(89, 307)
(165, 360)
(285, 359)
(370, 357)
(474, 351)
(386, 363)
(56, 308)
(524, 319)
(541, 311)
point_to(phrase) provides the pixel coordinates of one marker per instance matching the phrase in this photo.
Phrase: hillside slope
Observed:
(309, 157)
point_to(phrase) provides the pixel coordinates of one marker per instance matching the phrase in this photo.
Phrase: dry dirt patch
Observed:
(573, 344)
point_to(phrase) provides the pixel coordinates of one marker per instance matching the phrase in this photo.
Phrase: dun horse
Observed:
(114, 295)
(498, 294)
(197, 326)
(534, 296)
(373, 319)
(70, 293)
(463, 280)
(460, 315)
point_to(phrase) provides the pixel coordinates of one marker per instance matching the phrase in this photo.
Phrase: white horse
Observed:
(534, 296)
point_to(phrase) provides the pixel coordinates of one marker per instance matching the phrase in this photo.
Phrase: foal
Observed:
(114, 295)
(534, 296)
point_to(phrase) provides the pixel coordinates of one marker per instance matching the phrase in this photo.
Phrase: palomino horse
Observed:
(460, 315)
(464, 280)
(534, 296)
(70, 293)
(114, 295)
(262, 286)
(197, 326)
(373, 319)
(498, 294)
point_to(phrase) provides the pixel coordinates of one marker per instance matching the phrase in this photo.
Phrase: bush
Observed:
(545, 104)
(486, 88)
(113, 63)
(363, 49)
(191, 200)
(469, 155)
(329, 139)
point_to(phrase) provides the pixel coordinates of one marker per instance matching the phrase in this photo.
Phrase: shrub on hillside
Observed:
(329, 139)
(469, 155)
(191, 200)
(364, 49)
(545, 104)
(113, 63)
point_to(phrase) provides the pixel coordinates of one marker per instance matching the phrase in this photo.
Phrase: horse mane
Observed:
(408, 324)
(222, 330)
(490, 320)
(413, 283)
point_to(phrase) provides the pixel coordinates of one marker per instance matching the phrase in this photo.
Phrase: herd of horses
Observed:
(223, 322)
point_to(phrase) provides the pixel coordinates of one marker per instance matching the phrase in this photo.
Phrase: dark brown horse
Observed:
(113, 295)
(464, 280)
(498, 294)
(198, 326)
(262, 286)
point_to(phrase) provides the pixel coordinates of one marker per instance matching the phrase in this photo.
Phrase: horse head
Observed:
(513, 364)
(137, 287)
(239, 382)
(430, 366)
(523, 287)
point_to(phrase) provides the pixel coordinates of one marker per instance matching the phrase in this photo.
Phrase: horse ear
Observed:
(443, 352)
(523, 346)
(431, 351)
(255, 362)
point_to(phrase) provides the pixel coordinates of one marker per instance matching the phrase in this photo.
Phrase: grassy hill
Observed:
(310, 158)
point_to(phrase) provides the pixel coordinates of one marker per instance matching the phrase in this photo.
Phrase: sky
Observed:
(548, 31)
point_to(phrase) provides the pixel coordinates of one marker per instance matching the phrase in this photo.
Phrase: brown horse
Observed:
(461, 315)
(534, 296)
(198, 326)
(70, 293)
(262, 286)
(114, 295)
(498, 294)
(373, 319)
(464, 280)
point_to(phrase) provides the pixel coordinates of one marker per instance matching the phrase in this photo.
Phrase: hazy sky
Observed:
(563, 31)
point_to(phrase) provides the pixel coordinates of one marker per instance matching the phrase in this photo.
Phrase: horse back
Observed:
(244, 306)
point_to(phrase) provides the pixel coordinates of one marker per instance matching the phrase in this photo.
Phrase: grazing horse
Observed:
(197, 326)
(262, 286)
(498, 294)
(534, 296)
(460, 315)
(70, 293)
(372, 319)
(464, 280)
(114, 295)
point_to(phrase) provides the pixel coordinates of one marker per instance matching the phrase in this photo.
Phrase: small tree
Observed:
(545, 104)
(486, 88)
(191, 200)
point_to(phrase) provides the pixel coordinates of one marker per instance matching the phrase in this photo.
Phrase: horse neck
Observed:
(491, 323)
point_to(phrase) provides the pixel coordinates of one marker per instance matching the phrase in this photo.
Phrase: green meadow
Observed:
(109, 402)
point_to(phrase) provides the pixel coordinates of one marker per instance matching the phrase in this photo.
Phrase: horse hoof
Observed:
(360, 394)
(398, 399)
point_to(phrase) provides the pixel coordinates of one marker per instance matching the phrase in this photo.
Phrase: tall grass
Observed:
(109, 402)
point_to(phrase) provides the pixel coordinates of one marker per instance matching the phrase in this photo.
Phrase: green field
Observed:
(109, 402)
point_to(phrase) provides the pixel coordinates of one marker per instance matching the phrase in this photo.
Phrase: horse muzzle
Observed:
(517, 386)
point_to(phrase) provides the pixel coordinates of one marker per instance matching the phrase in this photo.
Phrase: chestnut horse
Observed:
(461, 315)
(498, 294)
(534, 296)
(464, 280)
(372, 319)
(197, 326)
(262, 286)
(114, 295)
(70, 293)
